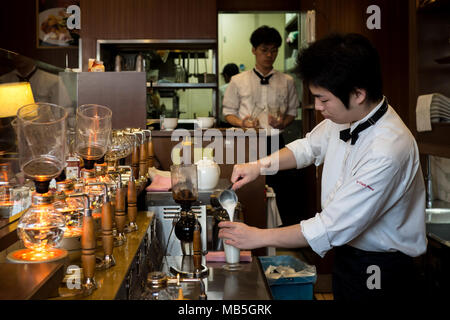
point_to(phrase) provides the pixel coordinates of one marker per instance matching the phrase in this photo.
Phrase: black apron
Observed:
(354, 275)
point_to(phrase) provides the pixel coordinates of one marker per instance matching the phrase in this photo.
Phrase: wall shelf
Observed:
(182, 85)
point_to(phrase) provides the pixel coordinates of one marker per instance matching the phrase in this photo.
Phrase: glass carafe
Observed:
(42, 142)
(71, 208)
(41, 227)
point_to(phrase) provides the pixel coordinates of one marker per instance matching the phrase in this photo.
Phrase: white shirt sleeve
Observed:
(356, 205)
(312, 148)
(231, 101)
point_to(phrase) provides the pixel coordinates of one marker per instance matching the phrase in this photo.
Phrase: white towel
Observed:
(423, 118)
(430, 108)
(273, 215)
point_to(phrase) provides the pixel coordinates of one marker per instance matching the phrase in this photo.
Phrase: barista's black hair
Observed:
(342, 63)
(265, 35)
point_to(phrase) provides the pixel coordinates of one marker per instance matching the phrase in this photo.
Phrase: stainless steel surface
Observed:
(438, 224)
(151, 41)
(165, 198)
(437, 215)
(429, 181)
(227, 195)
(248, 283)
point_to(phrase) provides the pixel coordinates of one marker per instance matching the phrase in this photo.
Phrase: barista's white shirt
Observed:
(245, 92)
(373, 194)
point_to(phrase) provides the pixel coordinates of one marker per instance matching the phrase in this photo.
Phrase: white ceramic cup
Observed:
(205, 122)
(170, 123)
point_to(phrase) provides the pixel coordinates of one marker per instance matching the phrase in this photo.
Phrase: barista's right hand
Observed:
(244, 173)
(247, 123)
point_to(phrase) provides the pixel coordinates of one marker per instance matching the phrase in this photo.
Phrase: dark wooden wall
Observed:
(145, 19)
(392, 40)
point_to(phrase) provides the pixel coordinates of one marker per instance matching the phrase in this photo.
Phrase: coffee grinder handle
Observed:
(120, 209)
(132, 200)
(88, 244)
(143, 155)
(135, 161)
(107, 233)
(197, 248)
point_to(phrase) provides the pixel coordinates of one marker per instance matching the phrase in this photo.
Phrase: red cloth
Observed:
(219, 256)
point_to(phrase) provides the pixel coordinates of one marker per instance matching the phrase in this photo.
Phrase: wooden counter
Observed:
(112, 282)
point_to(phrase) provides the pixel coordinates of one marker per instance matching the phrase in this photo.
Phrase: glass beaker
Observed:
(42, 141)
(93, 130)
(41, 227)
(184, 184)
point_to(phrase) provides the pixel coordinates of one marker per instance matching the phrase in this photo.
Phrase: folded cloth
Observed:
(152, 171)
(433, 107)
(160, 183)
(219, 256)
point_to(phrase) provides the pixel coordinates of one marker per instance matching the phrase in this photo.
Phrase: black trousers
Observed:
(373, 276)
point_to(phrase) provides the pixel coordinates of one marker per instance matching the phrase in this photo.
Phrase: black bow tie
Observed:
(264, 80)
(345, 135)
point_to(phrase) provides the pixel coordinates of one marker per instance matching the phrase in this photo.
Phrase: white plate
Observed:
(51, 37)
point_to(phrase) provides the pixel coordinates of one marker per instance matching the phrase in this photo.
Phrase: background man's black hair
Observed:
(342, 63)
(265, 35)
(230, 69)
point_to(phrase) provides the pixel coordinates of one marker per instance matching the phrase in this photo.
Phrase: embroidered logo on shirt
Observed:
(364, 185)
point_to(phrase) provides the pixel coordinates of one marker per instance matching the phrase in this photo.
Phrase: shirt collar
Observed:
(271, 72)
(371, 113)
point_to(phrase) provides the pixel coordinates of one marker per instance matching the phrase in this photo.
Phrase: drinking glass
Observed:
(257, 110)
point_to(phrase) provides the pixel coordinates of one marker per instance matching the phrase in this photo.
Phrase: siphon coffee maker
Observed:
(42, 141)
(187, 228)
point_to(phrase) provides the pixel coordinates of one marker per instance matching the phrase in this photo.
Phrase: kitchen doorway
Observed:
(234, 31)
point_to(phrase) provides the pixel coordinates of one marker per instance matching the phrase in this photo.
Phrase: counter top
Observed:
(439, 232)
(249, 283)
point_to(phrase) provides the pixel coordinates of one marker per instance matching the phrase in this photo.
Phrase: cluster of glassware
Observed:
(41, 130)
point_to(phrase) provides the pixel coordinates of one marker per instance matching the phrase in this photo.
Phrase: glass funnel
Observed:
(93, 130)
(184, 184)
(42, 142)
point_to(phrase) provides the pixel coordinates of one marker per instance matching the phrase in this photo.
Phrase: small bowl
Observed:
(205, 122)
(170, 123)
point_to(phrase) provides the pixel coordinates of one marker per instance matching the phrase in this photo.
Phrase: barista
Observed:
(373, 196)
(261, 87)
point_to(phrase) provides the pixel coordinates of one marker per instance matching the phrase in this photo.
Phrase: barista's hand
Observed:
(247, 123)
(240, 235)
(244, 173)
(276, 123)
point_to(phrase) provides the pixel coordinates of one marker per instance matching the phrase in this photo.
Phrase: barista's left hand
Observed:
(240, 235)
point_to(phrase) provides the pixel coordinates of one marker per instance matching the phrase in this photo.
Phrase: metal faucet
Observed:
(429, 181)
